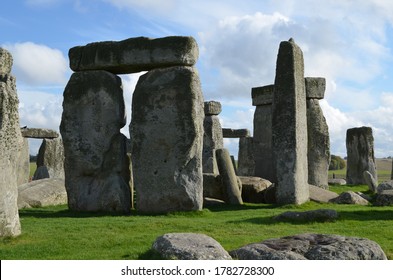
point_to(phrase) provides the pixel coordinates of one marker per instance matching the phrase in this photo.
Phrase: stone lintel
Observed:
(235, 133)
(39, 133)
(212, 108)
(262, 95)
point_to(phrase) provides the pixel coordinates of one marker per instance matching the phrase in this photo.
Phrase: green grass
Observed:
(33, 167)
(57, 233)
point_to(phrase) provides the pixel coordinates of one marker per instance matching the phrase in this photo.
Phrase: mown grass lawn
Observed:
(57, 233)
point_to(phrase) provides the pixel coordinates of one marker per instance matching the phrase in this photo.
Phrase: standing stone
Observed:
(289, 122)
(212, 137)
(360, 154)
(96, 164)
(11, 142)
(231, 183)
(245, 158)
(262, 98)
(318, 134)
(51, 155)
(167, 137)
(24, 163)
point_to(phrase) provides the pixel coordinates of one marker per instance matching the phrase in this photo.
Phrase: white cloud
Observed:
(36, 64)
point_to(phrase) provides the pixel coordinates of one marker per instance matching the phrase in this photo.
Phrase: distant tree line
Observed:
(337, 163)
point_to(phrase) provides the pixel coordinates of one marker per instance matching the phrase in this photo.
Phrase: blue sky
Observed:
(348, 42)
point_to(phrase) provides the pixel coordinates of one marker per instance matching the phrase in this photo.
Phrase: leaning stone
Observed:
(321, 195)
(360, 154)
(315, 87)
(311, 246)
(388, 185)
(167, 138)
(262, 95)
(319, 215)
(212, 108)
(135, 54)
(39, 133)
(289, 121)
(5, 62)
(189, 246)
(384, 198)
(11, 144)
(232, 188)
(253, 189)
(41, 193)
(41, 173)
(370, 181)
(349, 197)
(337, 181)
(235, 133)
(96, 164)
(245, 157)
(51, 155)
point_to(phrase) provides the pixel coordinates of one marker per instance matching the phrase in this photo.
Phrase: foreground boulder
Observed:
(189, 246)
(310, 246)
(349, 197)
(40, 193)
(318, 194)
(384, 198)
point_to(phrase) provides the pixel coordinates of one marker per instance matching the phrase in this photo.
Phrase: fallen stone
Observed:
(349, 197)
(189, 246)
(253, 189)
(39, 133)
(235, 133)
(167, 140)
(388, 185)
(135, 54)
(337, 181)
(41, 193)
(6, 62)
(212, 108)
(384, 198)
(311, 246)
(319, 215)
(370, 181)
(321, 195)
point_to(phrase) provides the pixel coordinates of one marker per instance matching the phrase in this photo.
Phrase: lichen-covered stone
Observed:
(39, 133)
(5, 62)
(51, 155)
(212, 108)
(212, 140)
(135, 54)
(167, 137)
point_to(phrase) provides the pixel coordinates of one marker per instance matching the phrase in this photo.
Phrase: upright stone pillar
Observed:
(360, 154)
(51, 155)
(262, 98)
(212, 137)
(96, 164)
(167, 138)
(245, 158)
(289, 123)
(318, 134)
(11, 143)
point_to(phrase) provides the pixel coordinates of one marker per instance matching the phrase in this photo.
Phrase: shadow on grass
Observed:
(366, 215)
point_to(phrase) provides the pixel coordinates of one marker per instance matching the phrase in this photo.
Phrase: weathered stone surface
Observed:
(189, 246)
(370, 181)
(135, 54)
(270, 194)
(245, 157)
(321, 195)
(384, 198)
(232, 186)
(262, 95)
(253, 189)
(289, 126)
(212, 140)
(212, 108)
(51, 155)
(318, 155)
(167, 138)
(235, 133)
(312, 247)
(23, 168)
(41, 193)
(212, 186)
(96, 164)
(337, 181)
(6, 62)
(262, 143)
(41, 173)
(315, 87)
(349, 197)
(319, 215)
(388, 185)
(360, 154)
(39, 133)
(11, 143)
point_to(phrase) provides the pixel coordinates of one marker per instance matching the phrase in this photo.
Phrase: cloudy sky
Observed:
(349, 42)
